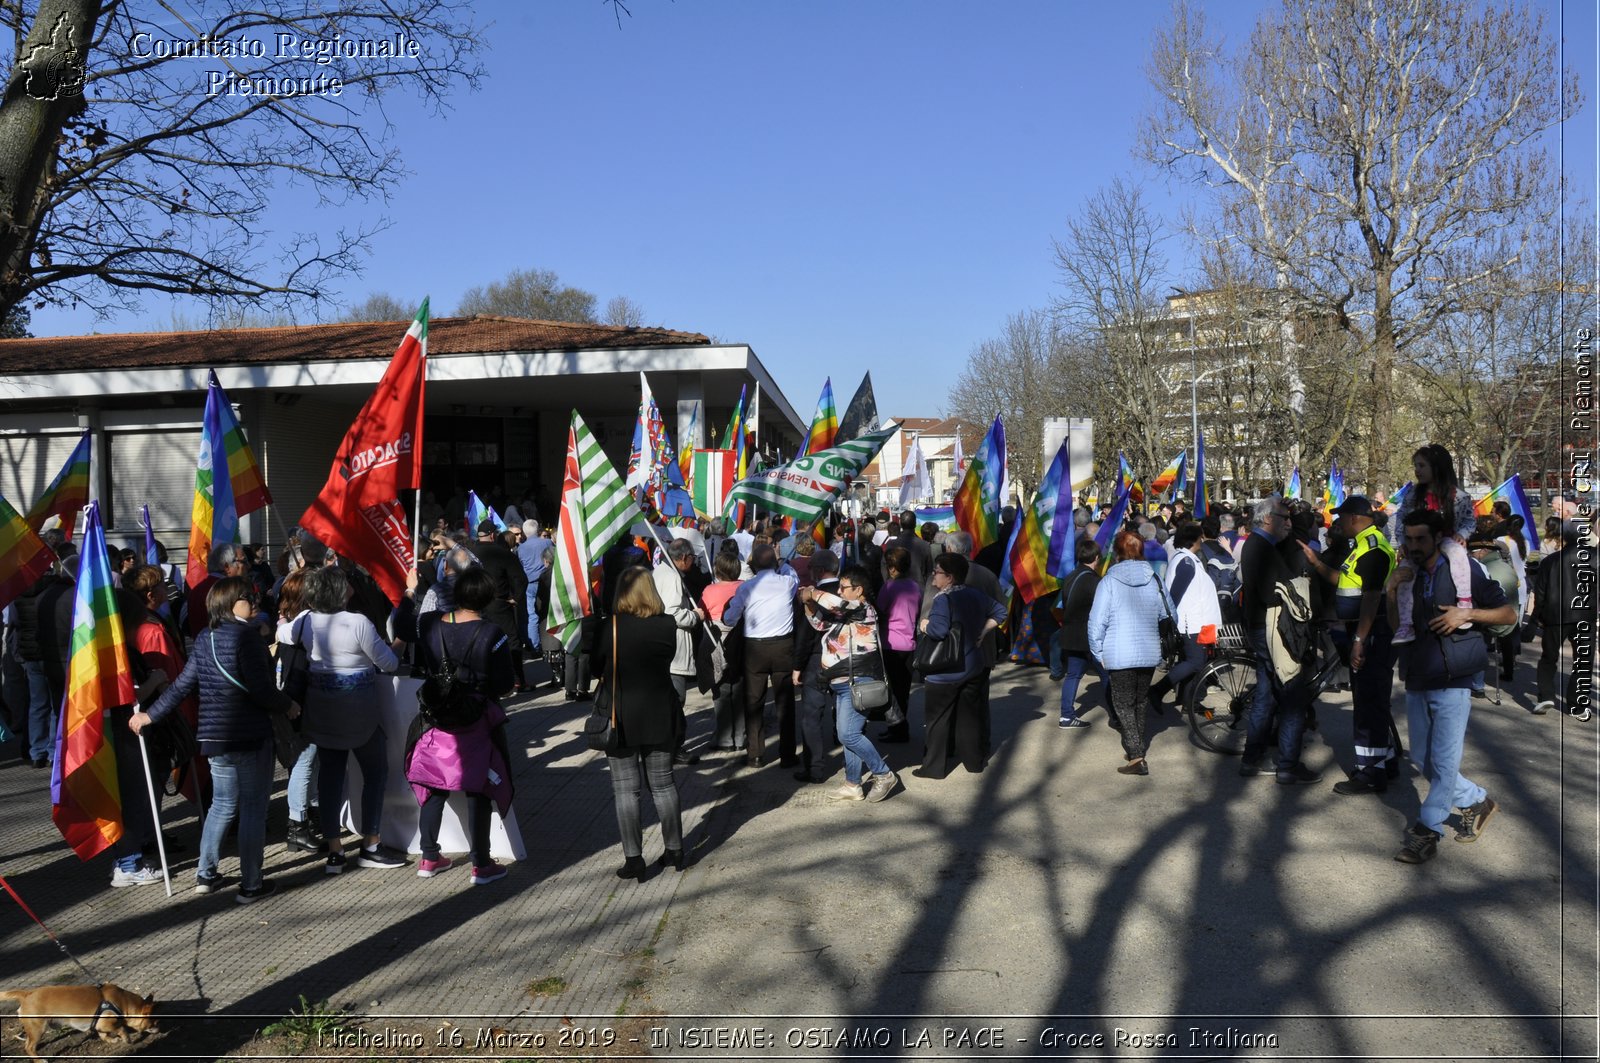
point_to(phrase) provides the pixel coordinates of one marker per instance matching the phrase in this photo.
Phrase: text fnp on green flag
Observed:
(806, 487)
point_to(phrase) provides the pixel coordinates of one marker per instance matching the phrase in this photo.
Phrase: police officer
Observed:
(1358, 600)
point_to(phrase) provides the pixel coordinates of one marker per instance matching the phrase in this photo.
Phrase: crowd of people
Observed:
(261, 664)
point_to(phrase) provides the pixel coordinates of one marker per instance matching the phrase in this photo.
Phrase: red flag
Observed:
(358, 512)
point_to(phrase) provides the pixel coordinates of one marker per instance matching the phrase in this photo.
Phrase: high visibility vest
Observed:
(1349, 591)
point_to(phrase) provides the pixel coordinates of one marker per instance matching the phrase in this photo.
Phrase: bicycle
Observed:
(1221, 695)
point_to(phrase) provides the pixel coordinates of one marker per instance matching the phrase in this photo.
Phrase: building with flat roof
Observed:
(500, 392)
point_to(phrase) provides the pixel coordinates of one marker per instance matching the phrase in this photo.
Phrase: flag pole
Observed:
(155, 812)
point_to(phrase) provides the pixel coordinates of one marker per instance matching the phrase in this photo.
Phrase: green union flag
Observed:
(806, 487)
(595, 510)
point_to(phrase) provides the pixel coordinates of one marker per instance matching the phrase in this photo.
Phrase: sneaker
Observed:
(1251, 768)
(1405, 634)
(1360, 783)
(379, 857)
(1074, 721)
(488, 873)
(1421, 846)
(428, 868)
(883, 785)
(1481, 693)
(335, 865)
(266, 889)
(1582, 715)
(1543, 707)
(849, 791)
(1297, 774)
(139, 876)
(1473, 819)
(204, 883)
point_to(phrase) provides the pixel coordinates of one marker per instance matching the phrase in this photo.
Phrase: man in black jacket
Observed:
(1262, 567)
(1564, 596)
(815, 702)
(510, 585)
(38, 646)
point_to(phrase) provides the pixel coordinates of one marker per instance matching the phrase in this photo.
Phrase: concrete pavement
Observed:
(1045, 907)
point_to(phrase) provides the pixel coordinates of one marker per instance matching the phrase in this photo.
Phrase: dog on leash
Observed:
(108, 1010)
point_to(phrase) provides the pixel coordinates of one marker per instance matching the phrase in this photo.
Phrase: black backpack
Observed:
(448, 700)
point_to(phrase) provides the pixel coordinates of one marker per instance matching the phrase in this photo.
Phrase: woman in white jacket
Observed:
(1194, 598)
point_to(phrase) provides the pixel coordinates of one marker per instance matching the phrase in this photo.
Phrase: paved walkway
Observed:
(1047, 886)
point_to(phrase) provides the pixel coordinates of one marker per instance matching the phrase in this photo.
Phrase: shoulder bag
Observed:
(600, 729)
(294, 663)
(941, 656)
(869, 696)
(1171, 637)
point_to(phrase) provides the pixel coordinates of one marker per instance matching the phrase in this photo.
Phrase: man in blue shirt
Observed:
(1443, 664)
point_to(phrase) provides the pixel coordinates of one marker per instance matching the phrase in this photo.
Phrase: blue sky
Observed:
(842, 185)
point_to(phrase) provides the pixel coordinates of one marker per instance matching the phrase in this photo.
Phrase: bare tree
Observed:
(620, 310)
(1025, 375)
(1113, 276)
(1361, 148)
(531, 293)
(138, 156)
(378, 306)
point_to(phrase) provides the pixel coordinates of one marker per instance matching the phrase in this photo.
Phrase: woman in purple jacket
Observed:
(471, 759)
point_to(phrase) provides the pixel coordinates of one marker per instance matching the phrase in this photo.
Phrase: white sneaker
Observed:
(849, 791)
(139, 876)
(1404, 635)
(883, 785)
(1543, 707)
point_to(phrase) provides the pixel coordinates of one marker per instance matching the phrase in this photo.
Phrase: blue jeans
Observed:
(240, 785)
(373, 757)
(1290, 705)
(1437, 721)
(41, 733)
(858, 749)
(300, 784)
(1077, 665)
(535, 636)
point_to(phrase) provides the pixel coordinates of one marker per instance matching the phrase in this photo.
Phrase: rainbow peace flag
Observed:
(67, 494)
(1173, 474)
(1511, 491)
(686, 452)
(943, 516)
(477, 513)
(1202, 494)
(733, 432)
(824, 423)
(83, 783)
(1294, 488)
(219, 501)
(1397, 500)
(1126, 479)
(1034, 545)
(1110, 526)
(977, 502)
(23, 555)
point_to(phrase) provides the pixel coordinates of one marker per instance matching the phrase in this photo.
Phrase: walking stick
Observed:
(155, 812)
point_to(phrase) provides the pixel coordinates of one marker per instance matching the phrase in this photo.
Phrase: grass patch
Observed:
(548, 986)
(310, 1024)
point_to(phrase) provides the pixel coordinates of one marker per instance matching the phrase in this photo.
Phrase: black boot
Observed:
(632, 867)
(672, 858)
(303, 839)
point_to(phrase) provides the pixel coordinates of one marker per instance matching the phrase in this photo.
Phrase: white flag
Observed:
(915, 484)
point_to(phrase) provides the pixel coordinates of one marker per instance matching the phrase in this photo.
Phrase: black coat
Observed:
(645, 700)
(233, 712)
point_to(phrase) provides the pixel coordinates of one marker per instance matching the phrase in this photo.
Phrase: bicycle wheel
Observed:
(1219, 702)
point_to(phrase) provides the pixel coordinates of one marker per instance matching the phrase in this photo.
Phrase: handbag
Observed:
(600, 729)
(941, 656)
(869, 696)
(1171, 638)
(294, 665)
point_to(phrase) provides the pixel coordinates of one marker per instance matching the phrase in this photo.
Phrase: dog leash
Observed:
(47, 932)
